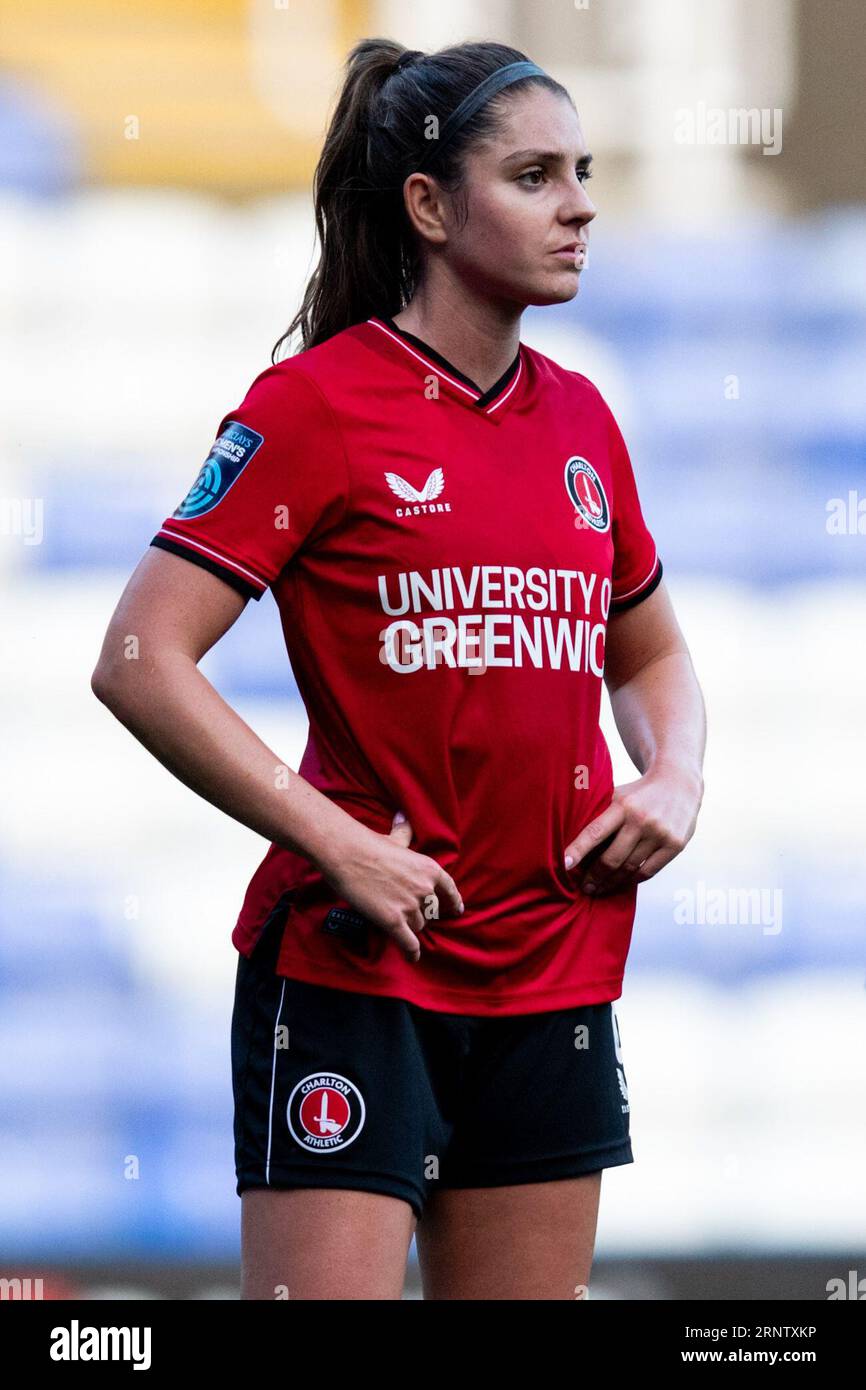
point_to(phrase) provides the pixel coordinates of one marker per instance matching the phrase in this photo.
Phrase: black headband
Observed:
(502, 77)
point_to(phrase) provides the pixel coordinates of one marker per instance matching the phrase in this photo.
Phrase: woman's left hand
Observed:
(647, 824)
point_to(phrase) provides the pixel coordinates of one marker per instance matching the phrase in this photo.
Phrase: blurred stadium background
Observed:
(156, 229)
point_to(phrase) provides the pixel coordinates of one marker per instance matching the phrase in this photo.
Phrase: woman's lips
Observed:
(577, 256)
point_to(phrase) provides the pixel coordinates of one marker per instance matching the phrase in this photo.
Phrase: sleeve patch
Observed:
(230, 453)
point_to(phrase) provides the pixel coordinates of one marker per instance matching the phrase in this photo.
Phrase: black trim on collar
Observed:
(483, 399)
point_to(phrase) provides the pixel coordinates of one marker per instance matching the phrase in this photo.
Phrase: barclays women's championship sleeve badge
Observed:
(229, 456)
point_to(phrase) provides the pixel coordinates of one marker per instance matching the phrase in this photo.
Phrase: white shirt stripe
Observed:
(206, 550)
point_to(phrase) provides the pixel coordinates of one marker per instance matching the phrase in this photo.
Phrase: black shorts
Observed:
(340, 1089)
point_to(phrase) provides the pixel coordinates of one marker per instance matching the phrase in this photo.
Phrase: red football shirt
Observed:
(444, 561)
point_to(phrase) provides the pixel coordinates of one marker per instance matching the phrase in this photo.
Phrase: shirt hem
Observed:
(456, 1001)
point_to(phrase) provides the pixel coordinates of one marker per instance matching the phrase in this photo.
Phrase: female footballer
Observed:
(424, 1032)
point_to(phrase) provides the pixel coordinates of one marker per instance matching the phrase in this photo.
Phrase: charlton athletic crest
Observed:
(586, 492)
(325, 1113)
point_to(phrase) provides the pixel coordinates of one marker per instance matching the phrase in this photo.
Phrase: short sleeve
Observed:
(275, 480)
(637, 569)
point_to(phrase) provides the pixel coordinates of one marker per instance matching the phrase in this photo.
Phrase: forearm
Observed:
(178, 716)
(660, 715)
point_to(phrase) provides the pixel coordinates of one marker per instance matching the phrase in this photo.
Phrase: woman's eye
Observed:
(582, 174)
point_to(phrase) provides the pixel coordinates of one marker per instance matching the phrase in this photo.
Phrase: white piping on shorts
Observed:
(273, 1086)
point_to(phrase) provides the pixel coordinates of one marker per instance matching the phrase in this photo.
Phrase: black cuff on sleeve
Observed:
(213, 566)
(620, 605)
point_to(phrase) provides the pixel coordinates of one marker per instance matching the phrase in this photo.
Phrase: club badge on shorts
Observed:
(325, 1112)
(584, 487)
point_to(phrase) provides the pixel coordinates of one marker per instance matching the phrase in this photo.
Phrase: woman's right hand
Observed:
(392, 884)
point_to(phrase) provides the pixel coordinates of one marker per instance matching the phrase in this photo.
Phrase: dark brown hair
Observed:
(370, 261)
